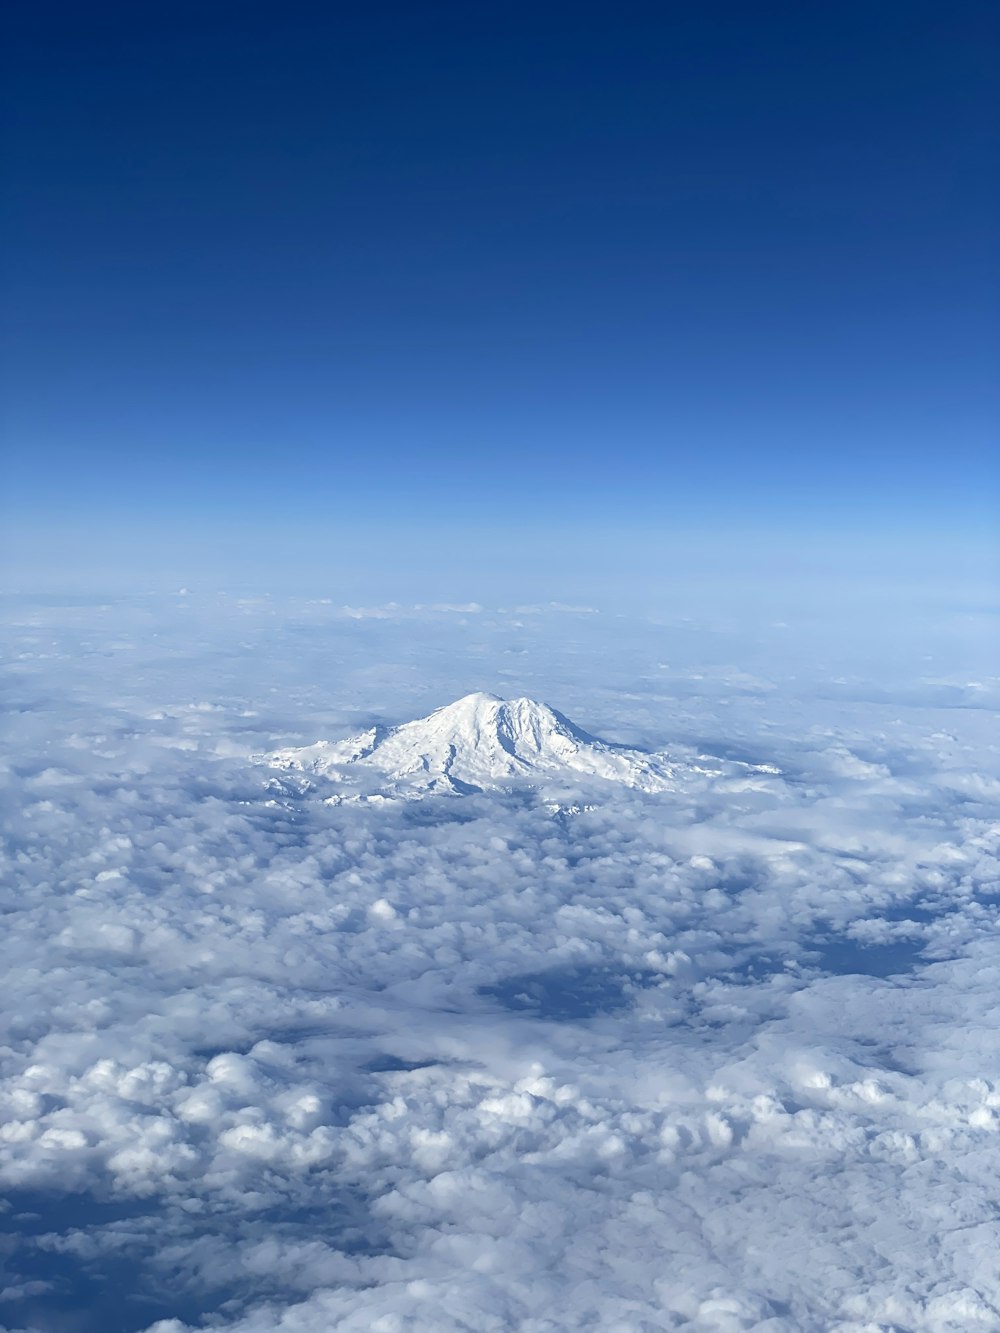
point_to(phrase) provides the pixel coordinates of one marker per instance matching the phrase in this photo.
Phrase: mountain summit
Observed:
(476, 743)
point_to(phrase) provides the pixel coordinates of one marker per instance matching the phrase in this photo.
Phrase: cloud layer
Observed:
(720, 1058)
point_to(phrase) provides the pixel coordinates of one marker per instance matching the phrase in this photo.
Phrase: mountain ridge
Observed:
(477, 743)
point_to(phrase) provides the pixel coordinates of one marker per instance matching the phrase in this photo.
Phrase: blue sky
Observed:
(532, 276)
(635, 359)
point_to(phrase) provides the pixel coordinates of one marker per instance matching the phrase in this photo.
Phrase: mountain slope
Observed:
(475, 744)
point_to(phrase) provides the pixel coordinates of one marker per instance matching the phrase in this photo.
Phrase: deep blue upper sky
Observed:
(660, 262)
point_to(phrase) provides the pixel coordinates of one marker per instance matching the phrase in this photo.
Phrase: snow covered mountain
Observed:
(475, 744)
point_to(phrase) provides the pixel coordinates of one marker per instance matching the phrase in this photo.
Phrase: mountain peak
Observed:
(478, 742)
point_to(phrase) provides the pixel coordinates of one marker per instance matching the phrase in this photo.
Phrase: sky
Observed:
(634, 360)
(330, 294)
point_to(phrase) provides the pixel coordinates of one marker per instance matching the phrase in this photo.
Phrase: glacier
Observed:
(479, 743)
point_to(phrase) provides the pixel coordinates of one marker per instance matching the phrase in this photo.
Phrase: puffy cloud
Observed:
(717, 1058)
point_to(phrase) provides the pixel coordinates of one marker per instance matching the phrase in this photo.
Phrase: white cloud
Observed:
(716, 1058)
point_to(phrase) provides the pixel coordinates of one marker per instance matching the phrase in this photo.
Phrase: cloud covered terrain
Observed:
(723, 1055)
